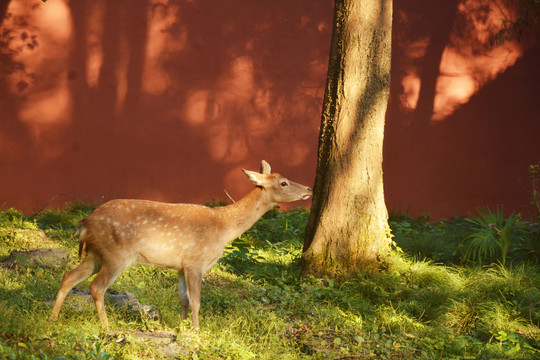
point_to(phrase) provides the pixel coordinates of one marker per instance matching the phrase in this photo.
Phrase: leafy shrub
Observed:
(424, 239)
(534, 169)
(491, 236)
(527, 247)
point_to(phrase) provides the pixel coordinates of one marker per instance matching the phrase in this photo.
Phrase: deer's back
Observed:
(148, 232)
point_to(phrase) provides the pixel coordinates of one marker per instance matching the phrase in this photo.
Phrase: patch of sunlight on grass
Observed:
(395, 321)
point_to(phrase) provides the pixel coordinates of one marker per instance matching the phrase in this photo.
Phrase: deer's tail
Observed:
(81, 232)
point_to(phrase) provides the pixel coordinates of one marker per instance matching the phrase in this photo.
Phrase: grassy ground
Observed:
(255, 304)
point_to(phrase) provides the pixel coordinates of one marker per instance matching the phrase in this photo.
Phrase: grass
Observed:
(256, 305)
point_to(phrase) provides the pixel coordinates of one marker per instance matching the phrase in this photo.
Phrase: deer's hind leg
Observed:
(107, 275)
(87, 268)
(184, 295)
(190, 293)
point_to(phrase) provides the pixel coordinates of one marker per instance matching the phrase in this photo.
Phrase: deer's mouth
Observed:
(305, 197)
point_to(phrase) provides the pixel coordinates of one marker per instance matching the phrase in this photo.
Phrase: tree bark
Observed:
(348, 225)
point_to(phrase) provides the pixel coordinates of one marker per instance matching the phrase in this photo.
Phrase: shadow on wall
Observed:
(158, 99)
(169, 99)
(462, 124)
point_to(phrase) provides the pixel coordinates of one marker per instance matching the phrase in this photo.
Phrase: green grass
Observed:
(256, 305)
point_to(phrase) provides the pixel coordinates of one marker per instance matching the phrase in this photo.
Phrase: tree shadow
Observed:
(459, 145)
(168, 101)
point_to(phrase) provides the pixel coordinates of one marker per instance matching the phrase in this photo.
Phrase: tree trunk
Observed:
(348, 225)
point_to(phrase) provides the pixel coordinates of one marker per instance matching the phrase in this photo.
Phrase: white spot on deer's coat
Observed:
(116, 223)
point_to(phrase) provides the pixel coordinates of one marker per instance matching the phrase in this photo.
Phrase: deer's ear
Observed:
(254, 177)
(265, 167)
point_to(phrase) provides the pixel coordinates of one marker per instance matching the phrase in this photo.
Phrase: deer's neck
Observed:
(241, 215)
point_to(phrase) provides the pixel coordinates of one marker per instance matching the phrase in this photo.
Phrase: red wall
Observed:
(462, 122)
(168, 100)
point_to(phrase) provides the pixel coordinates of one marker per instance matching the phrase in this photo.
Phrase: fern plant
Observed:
(491, 236)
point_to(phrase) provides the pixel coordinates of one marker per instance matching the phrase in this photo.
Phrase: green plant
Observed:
(427, 240)
(240, 253)
(534, 169)
(490, 237)
(514, 342)
(527, 246)
(534, 238)
(258, 305)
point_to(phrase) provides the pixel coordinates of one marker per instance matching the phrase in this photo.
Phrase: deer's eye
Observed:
(284, 184)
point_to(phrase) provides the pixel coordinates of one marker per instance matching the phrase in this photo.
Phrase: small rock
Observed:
(127, 300)
(164, 342)
(119, 299)
(39, 257)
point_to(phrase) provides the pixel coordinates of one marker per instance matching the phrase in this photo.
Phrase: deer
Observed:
(187, 238)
